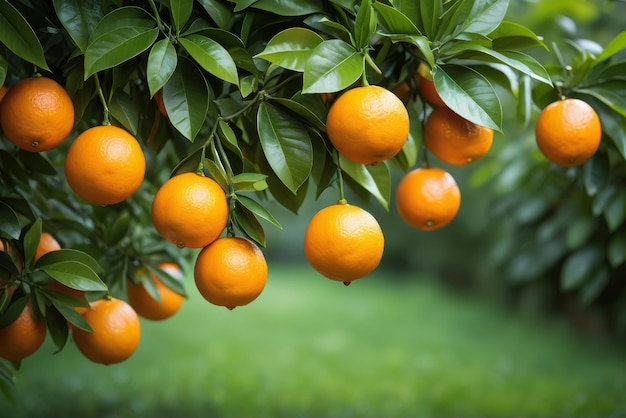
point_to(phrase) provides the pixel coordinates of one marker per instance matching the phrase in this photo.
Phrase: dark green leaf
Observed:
(333, 65)
(18, 36)
(614, 127)
(365, 24)
(118, 229)
(616, 250)
(7, 381)
(249, 182)
(79, 18)
(469, 94)
(330, 27)
(175, 281)
(518, 61)
(596, 173)
(124, 110)
(590, 290)
(485, 16)
(57, 327)
(4, 65)
(513, 36)
(429, 13)
(220, 14)
(615, 210)
(186, 96)
(421, 42)
(375, 178)
(579, 266)
(217, 171)
(181, 12)
(612, 94)
(9, 222)
(291, 48)
(229, 138)
(579, 232)
(68, 254)
(13, 311)
(256, 208)
(64, 305)
(306, 112)
(211, 56)
(74, 274)
(286, 145)
(248, 223)
(31, 241)
(290, 7)
(161, 64)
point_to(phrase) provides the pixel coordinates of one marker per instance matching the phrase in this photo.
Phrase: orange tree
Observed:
(240, 92)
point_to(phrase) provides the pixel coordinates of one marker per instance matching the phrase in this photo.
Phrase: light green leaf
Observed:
(394, 21)
(333, 65)
(486, 16)
(260, 211)
(186, 99)
(161, 64)
(75, 275)
(286, 145)
(513, 36)
(18, 36)
(249, 182)
(376, 178)
(616, 45)
(291, 48)
(124, 110)
(211, 56)
(429, 14)
(365, 24)
(79, 18)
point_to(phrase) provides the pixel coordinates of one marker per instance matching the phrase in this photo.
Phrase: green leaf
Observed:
(579, 232)
(65, 304)
(4, 65)
(376, 178)
(220, 14)
(616, 45)
(248, 223)
(469, 94)
(185, 97)
(79, 18)
(211, 56)
(612, 94)
(579, 266)
(616, 250)
(513, 36)
(229, 138)
(9, 222)
(394, 21)
(286, 145)
(67, 255)
(31, 241)
(429, 14)
(365, 24)
(421, 42)
(161, 65)
(290, 7)
(249, 182)
(518, 61)
(615, 210)
(302, 110)
(291, 48)
(18, 36)
(258, 210)
(119, 36)
(57, 327)
(485, 16)
(330, 27)
(594, 286)
(596, 173)
(333, 65)
(124, 110)
(181, 12)
(74, 274)
(613, 126)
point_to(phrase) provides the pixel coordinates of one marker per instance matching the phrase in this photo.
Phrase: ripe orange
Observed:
(230, 272)
(46, 244)
(368, 124)
(116, 332)
(568, 132)
(23, 337)
(428, 92)
(190, 210)
(151, 308)
(455, 140)
(428, 198)
(344, 242)
(37, 114)
(105, 165)
(158, 97)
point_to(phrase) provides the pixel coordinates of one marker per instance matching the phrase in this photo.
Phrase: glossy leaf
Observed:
(220, 14)
(485, 16)
(376, 178)
(79, 18)
(248, 223)
(181, 12)
(31, 241)
(421, 42)
(291, 48)
(9, 222)
(429, 13)
(469, 94)
(260, 211)
(394, 21)
(211, 56)
(286, 145)
(617, 45)
(364, 24)
(124, 110)
(513, 36)
(162, 62)
(306, 112)
(68, 255)
(18, 36)
(596, 172)
(185, 98)
(75, 275)
(333, 65)
(290, 7)
(249, 182)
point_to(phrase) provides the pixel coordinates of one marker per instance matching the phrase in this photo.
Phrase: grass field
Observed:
(309, 347)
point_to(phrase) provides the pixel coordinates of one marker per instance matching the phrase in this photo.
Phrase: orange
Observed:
(428, 92)
(230, 272)
(568, 132)
(23, 337)
(105, 165)
(190, 210)
(153, 309)
(46, 244)
(343, 242)
(37, 114)
(368, 124)
(455, 140)
(116, 332)
(428, 198)
(158, 97)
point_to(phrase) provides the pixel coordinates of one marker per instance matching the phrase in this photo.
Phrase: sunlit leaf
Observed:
(332, 66)
(376, 178)
(291, 48)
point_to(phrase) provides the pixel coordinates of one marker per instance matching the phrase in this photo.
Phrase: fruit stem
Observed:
(105, 121)
(342, 196)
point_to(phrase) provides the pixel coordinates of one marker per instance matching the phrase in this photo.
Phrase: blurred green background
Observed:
(437, 330)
